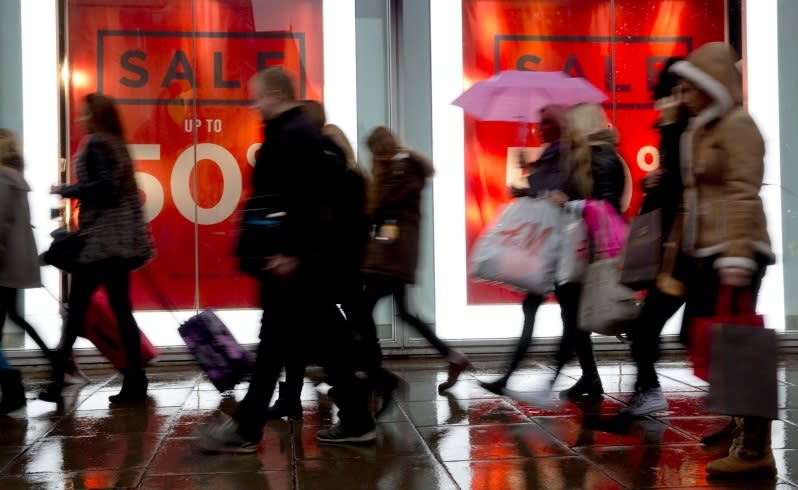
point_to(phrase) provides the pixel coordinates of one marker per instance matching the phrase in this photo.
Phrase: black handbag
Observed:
(262, 232)
(65, 249)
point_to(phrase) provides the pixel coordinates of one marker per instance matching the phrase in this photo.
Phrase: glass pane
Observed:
(235, 40)
(143, 55)
(647, 32)
(373, 108)
(569, 36)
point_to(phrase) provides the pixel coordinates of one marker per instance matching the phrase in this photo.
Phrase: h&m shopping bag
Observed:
(643, 251)
(574, 249)
(520, 250)
(742, 373)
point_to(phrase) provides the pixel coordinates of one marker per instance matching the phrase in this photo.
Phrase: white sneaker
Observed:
(221, 436)
(646, 402)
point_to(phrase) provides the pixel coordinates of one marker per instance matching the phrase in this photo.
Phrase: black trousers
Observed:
(573, 339)
(377, 287)
(115, 276)
(657, 309)
(8, 307)
(302, 325)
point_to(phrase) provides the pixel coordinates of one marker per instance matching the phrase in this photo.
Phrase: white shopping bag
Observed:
(521, 249)
(574, 248)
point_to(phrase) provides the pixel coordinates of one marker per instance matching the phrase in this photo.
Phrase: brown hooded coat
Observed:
(396, 196)
(722, 154)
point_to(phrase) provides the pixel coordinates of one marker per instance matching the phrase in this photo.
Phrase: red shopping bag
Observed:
(701, 328)
(101, 329)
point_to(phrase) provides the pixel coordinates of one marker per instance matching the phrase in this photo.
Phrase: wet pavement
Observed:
(467, 438)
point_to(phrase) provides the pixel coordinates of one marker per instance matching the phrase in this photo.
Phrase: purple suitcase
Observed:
(216, 350)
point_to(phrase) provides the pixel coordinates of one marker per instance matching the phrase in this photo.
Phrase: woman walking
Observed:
(394, 202)
(116, 241)
(19, 264)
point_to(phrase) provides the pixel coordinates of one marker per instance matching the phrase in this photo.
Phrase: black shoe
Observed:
(338, 434)
(586, 386)
(723, 436)
(496, 386)
(282, 408)
(52, 393)
(385, 390)
(134, 389)
(13, 391)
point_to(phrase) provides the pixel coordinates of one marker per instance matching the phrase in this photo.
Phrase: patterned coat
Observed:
(111, 212)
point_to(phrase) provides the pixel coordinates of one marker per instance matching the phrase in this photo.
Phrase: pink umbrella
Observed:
(519, 95)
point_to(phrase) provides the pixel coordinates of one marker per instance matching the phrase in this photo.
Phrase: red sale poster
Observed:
(618, 46)
(179, 70)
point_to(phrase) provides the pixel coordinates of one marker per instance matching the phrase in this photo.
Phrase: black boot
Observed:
(13, 391)
(288, 403)
(52, 392)
(588, 385)
(496, 386)
(134, 388)
(386, 386)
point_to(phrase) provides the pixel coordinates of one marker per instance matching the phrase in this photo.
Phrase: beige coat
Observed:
(19, 262)
(722, 167)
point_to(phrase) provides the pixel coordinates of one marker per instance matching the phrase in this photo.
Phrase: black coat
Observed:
(549, 174)
(608, 176)
(289, 164)
(667, 196)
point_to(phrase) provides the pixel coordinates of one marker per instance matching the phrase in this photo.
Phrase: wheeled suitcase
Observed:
(102, 330)
(216, 350)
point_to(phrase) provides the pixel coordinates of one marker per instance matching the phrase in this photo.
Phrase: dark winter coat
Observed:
(398, 186)
(667, 196)
(549, 174)
(289, 164)
(111, 215)
(608, 176)
(19, 263)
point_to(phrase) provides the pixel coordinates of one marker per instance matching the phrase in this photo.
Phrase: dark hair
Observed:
(104, 116)
(667, 80)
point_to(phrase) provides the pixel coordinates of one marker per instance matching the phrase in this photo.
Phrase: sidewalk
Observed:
(468, 438)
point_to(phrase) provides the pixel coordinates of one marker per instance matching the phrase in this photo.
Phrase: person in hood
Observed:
(19, 264)
(394, 205)
(725, 229)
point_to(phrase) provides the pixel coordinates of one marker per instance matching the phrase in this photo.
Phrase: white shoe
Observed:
(646, 402)
(222, 437)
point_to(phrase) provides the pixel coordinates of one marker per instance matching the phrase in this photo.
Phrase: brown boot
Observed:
(750, 452)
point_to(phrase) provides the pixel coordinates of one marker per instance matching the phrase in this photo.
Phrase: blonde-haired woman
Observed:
(399, 176)
(596, 172)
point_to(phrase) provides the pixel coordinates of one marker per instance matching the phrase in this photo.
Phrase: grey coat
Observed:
(19, 263)
(111, 214)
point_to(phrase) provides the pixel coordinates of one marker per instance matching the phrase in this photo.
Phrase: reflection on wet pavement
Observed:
(468, 438)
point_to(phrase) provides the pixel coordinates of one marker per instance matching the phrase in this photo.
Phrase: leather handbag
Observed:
(65, 249)
(262, 232)
(643, 251)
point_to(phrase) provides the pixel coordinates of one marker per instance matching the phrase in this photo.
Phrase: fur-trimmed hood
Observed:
(712, 69)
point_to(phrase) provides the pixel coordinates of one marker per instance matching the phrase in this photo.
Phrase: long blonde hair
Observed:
(9, 148)
(586, 128)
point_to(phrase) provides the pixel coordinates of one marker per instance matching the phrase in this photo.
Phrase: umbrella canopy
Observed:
(519, 95)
